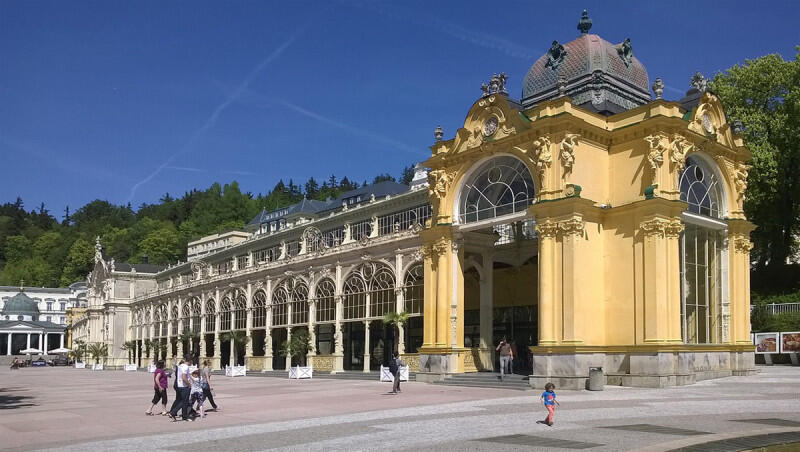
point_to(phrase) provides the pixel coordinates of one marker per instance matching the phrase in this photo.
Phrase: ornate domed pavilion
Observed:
(597, 75)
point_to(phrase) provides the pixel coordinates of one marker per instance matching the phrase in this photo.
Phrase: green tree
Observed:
(297, 346)
(78, 263)
(162, 246)
(98, 351)
(395, 320)
(765, 95)
(18, 247)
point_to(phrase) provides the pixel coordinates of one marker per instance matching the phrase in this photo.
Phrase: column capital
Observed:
(547, 229)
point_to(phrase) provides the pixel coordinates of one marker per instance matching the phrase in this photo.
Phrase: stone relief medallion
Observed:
(490, 126)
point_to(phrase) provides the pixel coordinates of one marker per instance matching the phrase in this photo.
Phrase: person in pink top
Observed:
(160, 387)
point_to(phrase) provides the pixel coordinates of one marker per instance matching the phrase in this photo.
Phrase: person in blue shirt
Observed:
(550, 402)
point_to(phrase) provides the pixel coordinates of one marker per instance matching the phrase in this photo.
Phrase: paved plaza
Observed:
(81, 410)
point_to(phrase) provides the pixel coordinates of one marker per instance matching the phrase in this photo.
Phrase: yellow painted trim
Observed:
(651, 348)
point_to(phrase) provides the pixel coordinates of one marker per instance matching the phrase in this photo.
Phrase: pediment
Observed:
(709, 119)
(490, 119)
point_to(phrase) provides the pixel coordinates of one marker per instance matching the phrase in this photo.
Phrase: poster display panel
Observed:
(766, 343)
(790, 342)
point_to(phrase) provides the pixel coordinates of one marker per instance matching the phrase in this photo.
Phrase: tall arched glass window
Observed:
(211, 309)
(259, 309)
(701, 188)
(280, 303)
(500, 186)
(704, 305)
(326, 304)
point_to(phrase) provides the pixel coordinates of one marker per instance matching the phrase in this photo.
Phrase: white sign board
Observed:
(298, 372)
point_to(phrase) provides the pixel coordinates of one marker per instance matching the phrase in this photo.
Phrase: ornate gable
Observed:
(492, 118)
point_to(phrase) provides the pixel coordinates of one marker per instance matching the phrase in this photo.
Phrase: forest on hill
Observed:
(41, 250)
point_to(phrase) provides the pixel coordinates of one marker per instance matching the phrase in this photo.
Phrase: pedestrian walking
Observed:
(160, 387)
(504, 349)
(177, 400)
(208, 390)
(549, 400)
(183, 392)
(394, 367)
(196, 394)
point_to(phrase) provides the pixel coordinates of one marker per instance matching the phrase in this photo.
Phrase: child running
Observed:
(550, 402)
(197, 393)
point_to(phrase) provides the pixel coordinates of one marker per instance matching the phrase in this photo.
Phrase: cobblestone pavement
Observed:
(80, 410)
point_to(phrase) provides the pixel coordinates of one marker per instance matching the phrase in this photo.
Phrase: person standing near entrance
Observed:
(394, 367)
(504, 348)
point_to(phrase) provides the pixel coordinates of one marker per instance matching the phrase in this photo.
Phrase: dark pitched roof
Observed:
(312, 206)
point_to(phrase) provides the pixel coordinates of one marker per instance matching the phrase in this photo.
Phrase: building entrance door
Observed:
(353, 333)
(518, 324)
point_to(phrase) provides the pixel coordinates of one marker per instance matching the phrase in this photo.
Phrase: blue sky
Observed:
(126, 101)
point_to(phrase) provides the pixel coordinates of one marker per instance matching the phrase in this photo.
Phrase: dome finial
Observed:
(22, 285)
(585, 24)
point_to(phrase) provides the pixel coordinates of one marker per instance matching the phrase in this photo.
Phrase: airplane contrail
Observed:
(212, 119)
(354, 130)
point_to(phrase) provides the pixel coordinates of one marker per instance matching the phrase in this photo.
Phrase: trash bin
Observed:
(596, 379)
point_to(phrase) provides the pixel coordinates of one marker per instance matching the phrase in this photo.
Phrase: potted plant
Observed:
(395, 320)
(237, 339)
(98, 350)
(129, 346)
(298, 346)
(78, 352)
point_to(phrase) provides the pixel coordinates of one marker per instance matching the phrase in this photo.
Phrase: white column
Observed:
(268, 329)
(399, 302)
(44, 346)
(366, 345)
(486, 312)
(312, 333)
(9, 343)
(61, 341)
(29, 340)
(288, 338)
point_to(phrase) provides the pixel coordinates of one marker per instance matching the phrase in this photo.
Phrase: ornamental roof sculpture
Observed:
(496, 85)
(596, 74)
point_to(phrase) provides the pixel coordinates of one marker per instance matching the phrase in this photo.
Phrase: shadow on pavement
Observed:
(10, 401)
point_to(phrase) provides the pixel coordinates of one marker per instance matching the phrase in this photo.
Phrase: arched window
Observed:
(174, 319)
(225, 314)
(700, 187)
(355, 298)
(326, 304)
(211, 310)
(381, 293)
(704, 305)
(280, 303)
(240, 311)
(260, 309)
(300, 304)
(413, 295)
(501, 186)
(196, 313)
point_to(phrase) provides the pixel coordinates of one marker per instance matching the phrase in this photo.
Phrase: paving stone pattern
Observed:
(79, 410)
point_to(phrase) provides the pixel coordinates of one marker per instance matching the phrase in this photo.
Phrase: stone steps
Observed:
(487, 380)
(346, 375)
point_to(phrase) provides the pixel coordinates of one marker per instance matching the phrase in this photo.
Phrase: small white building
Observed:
(22, 327)
(52, 302)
